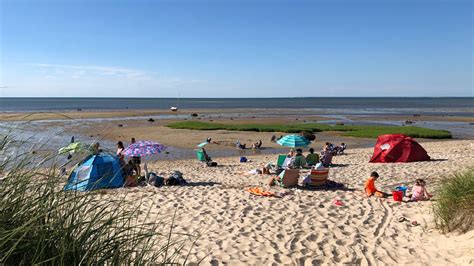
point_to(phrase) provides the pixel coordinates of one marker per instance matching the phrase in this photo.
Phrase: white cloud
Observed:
(46, 79)
(78, 71)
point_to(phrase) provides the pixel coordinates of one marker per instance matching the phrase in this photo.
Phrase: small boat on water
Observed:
(175, 108)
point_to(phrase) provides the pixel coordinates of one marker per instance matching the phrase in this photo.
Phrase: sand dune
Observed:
(305, 227)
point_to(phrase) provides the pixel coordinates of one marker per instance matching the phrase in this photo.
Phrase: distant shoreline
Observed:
(460, 106)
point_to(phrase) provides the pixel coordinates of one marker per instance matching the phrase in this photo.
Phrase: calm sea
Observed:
(454, 106)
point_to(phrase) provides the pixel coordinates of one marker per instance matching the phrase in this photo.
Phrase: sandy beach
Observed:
(306, 227)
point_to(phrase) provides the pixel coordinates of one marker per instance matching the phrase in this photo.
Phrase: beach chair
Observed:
(281, 160)
(201, 156)
(318, 177)
(289, 178)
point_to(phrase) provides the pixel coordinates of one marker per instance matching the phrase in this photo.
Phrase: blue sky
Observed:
(236, 48)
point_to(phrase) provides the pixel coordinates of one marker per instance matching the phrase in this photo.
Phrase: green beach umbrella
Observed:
(293, 141)
(72, 148)
(202, 144)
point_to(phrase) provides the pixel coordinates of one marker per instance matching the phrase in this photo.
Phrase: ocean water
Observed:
(381, 106)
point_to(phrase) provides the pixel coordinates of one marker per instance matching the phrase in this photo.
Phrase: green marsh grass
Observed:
(454, 205)
(42, 224)
(347, 130)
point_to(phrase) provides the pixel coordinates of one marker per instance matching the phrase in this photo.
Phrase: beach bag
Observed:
(243, 159)
(156, 180)
(211, 164)
(176, 179)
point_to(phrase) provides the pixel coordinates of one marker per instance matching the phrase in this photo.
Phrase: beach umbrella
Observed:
(202, 144)
(143, 149)
(293, 141)
(72, 148)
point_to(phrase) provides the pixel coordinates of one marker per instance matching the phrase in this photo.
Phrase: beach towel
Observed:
(260, 192)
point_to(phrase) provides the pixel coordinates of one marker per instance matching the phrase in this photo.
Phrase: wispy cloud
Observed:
(78, 71)
(94, 77)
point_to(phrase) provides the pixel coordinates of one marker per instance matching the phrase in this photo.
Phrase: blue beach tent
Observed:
(96, 172)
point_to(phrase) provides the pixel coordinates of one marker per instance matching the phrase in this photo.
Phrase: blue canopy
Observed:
(293, 141)
(96, 172)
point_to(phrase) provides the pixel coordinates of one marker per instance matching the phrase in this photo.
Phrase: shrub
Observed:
(42, 224)
(362, 131)
(454, 206)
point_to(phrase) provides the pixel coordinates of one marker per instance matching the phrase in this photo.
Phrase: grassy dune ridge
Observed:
(454, 207)
(348, 130)
(40, 223)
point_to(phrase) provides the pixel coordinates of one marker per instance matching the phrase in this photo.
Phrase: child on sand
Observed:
(369, 186)
(419, 191)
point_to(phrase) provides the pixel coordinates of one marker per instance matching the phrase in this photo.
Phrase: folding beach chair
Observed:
(288, 178)
(201, 156)
(318, 177)
(281, 160)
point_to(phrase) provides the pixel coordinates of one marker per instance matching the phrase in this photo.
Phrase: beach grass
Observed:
(454, 206)
(40, 223)
(361, 131)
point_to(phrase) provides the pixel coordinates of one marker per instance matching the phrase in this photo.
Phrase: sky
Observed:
(261, 48)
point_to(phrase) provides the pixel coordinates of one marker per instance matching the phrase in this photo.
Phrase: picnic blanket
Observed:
(260, 192)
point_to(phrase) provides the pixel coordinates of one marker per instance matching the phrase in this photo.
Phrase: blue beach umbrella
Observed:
(293, 141)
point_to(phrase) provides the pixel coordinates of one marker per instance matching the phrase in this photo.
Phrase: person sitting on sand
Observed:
(341, 148)
(312, 158)
(257, 144)
(289, 159)
(273, 139)
(326, 156)
(299, 160)
(238, 145)
(419, 191)
(369, 186)
(95, 148)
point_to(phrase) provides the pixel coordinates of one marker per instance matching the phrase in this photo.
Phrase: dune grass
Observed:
(454, 206)
(348, 130)
(42, 224)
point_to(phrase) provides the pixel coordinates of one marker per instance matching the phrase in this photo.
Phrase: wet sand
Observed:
(277, 114)
(108, 127)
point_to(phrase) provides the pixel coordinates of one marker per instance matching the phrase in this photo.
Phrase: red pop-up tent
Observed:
(398, 148)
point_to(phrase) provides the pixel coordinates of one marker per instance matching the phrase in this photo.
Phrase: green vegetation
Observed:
(348, 130)
(42, 224)
(454, 206)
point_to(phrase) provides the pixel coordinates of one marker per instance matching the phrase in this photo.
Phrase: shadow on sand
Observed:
(202, 184)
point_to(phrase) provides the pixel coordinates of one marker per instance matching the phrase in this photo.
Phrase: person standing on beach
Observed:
(120, 149)
(136, 160)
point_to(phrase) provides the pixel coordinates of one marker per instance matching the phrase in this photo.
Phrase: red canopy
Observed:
(398, 148)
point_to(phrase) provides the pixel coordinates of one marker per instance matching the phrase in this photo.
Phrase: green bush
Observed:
(349, 130)
(454, 206)
(42, 224)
